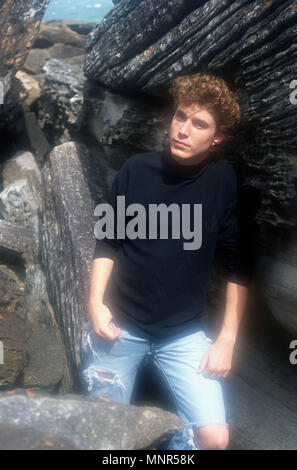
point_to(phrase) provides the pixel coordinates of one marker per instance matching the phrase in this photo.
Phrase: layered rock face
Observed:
(86, 96)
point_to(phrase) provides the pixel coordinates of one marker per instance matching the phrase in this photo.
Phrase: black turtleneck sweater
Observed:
(157, 287)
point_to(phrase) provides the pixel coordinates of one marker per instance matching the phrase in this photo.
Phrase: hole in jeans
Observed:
(103, 382)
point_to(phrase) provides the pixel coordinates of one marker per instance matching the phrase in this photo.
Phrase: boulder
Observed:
(15, 237)
(59, 109)
(35, 60)
(74, 183)
(41, 421)
(38, 142)
(52, 32)
(122, 125)
(19, 25)
(61, 51)
(80, 27)
(21, 208)
(29, 89)
(14, 334)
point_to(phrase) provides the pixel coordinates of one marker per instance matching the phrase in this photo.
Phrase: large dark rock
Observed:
(80, 422)
(74, 183)
(122, 125)
(80, 27)
(14, 335)
(37, 139)
(59, 109)
(39, 360)
(35, 60)
(150, 40)
(19, 25)
(61, 31)
(14, 237)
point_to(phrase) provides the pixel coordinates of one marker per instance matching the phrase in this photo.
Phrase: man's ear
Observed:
(218, 138)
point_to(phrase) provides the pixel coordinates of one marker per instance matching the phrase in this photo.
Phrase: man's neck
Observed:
(180, 169)
(191, 161)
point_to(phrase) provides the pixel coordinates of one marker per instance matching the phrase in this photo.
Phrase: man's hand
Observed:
(101, 318)
(217, 360)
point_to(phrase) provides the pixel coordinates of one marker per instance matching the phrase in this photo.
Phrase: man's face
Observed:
(195, 127)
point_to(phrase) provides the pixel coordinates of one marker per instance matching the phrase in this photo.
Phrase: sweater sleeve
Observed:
(234, 233)
(108, 247)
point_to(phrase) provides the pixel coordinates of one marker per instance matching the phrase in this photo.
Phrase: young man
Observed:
(148, 292)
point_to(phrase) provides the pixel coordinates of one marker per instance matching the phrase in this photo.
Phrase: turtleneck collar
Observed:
(177, 169)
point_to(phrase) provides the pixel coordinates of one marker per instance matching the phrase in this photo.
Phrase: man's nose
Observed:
(184, 128)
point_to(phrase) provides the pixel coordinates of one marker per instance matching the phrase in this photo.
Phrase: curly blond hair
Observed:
(213, 93)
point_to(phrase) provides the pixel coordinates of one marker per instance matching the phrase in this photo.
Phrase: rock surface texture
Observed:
(19, 25)
(73, 186)
(29, 421)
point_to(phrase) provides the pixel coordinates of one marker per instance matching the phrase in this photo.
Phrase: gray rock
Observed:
(123, 125)
(59, 110)
(52, 32)
(76, 63)
(156, 38)
(15, 237)
(35, 60)
(18, 29)
(29, 89)
(46, 360)
(21, 196)
(80, 422)
(80, 27)
(37, 139)
(74, 183)
(14, 334)
(61, 51)
(59, 72)
(22, 437)
(21, 205)
(12, 291)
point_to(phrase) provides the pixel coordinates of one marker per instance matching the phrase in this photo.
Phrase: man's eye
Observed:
(179, 116)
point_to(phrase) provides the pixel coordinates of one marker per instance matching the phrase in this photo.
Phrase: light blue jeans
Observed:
(109, 369)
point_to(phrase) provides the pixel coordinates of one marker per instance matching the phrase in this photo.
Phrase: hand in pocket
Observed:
(103, 322)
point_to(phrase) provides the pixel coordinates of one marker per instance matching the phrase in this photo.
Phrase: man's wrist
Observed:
(95, 303)
(228, 336)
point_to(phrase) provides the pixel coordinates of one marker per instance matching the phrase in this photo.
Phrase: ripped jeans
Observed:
(109, 370)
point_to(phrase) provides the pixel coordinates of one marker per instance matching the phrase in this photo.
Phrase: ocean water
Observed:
(84, 10)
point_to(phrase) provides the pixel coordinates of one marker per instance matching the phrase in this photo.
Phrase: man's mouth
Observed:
(177, 142)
